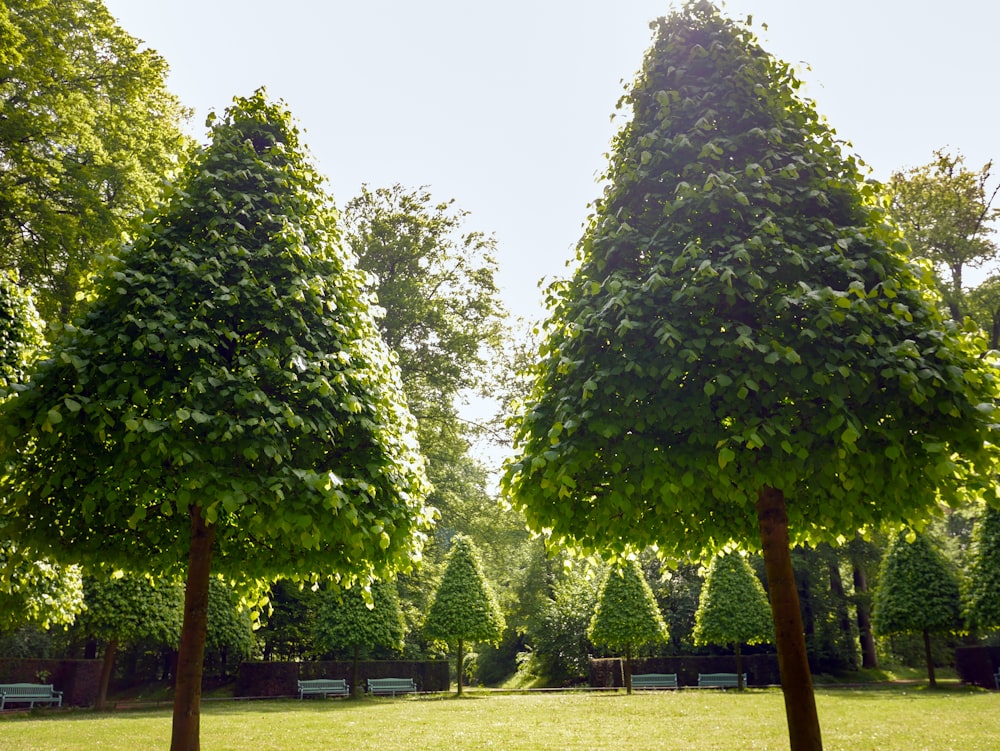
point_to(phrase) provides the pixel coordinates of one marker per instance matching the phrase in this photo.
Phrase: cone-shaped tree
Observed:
(348, 620)
(744, 349)
(627, 614)
(982, 596)
(733, 608)
(464, 608)
(918, 591)
(225, 402)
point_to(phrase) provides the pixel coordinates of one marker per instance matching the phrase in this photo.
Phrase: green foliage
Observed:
(946, 211)
(229, 361)
(742, 315)
(982, 594)
(626, 613)
(286, 624)
(918, 590)
(464, 607)
(230, 624)
(20, 333)
(36, 592)
(346, 620)
(89, 132)
(132, 608)
(733, 608)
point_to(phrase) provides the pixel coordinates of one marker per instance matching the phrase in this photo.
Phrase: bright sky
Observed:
(505, 106)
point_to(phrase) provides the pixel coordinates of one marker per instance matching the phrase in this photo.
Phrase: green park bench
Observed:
(323, 687)
(28, 693)
(654, 680)
(391, 686)
(719, 680)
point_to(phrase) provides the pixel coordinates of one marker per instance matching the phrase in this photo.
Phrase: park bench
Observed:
(29, 693)
(323, 687)
(391, 686)
(654, 680)
(719, 680)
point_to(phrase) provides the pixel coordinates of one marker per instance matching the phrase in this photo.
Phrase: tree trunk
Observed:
(356, 691)
(931, 682)
(187, 693)
(459, 667)
(793, 663)
(628, 668)
(869, 658)
(107, 666)
(739, 667)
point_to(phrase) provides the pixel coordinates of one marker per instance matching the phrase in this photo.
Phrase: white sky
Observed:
(505, 106)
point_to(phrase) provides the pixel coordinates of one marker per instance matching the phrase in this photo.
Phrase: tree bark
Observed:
(931, 681)
(628, 668)
(107, 666)
(793, 663)
(187, 694)
(459, 667)
(869, 657)
(739, 666)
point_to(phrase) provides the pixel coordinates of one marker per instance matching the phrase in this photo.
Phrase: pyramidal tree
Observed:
(225, 402)
(743, 353)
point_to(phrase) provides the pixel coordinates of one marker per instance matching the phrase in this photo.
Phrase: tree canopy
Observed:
(982, 595)
(347, 620)
(88, 135)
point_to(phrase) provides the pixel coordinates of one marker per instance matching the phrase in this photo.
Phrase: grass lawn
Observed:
(853, 720)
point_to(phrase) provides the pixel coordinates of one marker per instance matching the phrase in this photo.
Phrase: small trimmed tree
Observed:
(464, 608)
(918, 591)
(982, 594)
(733, 608)
(226, 402)
(627, 615)
(351, 620)
(229, 632)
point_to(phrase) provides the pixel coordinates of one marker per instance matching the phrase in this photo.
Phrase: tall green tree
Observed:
(229, 628)
(88, 133)
(350, 620)
(946, 211)
(918, 592)
(627, 614)
(226, 403)
(464, 608)
(744, 349)
(982, 594)
(33, 589)
(733, 608)
(127, 608)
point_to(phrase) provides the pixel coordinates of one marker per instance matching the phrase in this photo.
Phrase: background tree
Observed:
(627, 614)
(464, 608)
(229, 630)
(744, 349)
(347, 620)
(918, 592)
(128, 608)
(227, 401)
(286, 624)
(88, 134)
(982, 594)
(733, 608)
(946, 211)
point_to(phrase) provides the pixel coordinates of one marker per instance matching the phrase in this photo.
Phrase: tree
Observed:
(733, 608)
(743, 342)
(88, 134)
(946, 211)
(982, 595)
(627, 614)
(464, 608)
(226, 402)
(918, 592)
(129, 608)
(349, 620)
(33, 589)
(229, 630)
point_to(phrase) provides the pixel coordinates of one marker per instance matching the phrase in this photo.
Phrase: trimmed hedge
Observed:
(761, 669)
(281, 678)
(79, 680)
(976, 666)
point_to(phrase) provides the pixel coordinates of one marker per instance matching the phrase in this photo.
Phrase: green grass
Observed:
(853, 720)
